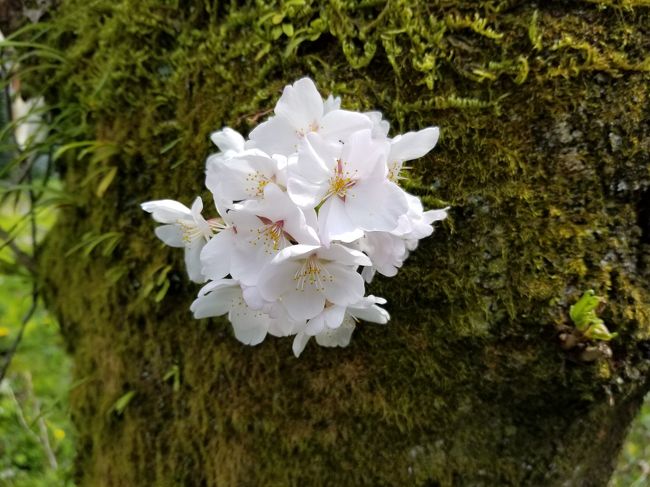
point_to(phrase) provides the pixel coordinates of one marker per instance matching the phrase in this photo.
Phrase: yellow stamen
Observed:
(312, 274)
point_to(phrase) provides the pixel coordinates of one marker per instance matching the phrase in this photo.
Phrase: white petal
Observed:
(368, 274)
(373, 314)
(228, 139)
(339, 124)
(167, 211)
(301, 105)
(171, 234)
(299, 343)
(317, 158)
(346, 286)
(247, 262)
(296, 252)
(275, 136)
(277, 278)
(334, 316)
(250, 326)
(197, 208)
(306, 194)
(364, 156)
(331, 103)
(431, 216)
(253, 297)
(245, 176)
(315, 325)
(376, 205)
(207, 306)
(303, 303)
(193, 260)
(216, 256)
(335, 224)
(217, 302)
(413, 145)
(338, 337)
(380, 127)
(343, 255)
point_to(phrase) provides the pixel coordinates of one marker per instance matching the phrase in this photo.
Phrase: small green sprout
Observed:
(585, 318)
(122, 402)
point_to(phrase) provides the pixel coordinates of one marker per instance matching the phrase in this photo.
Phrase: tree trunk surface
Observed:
(543, 109)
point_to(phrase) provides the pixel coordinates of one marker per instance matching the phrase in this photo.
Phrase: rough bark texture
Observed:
(543, 109)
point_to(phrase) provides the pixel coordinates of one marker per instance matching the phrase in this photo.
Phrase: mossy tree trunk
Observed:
(543, 109)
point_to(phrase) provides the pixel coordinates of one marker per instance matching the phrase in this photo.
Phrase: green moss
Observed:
(543, 159)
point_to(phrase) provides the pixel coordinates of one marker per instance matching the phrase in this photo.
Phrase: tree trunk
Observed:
(543, 109)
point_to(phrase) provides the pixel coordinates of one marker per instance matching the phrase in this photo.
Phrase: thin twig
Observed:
(42, 427)
(21, 257)
(12, 350)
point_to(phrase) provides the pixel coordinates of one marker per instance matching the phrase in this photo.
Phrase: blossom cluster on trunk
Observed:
(310, 209)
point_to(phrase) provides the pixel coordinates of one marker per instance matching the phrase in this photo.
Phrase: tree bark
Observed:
(543, 158)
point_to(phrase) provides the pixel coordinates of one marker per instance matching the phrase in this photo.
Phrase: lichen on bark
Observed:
(543, 159)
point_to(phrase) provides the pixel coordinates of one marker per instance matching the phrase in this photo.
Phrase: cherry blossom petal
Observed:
(250, 326)
(277, 278)
(344, 255)
(317, 158)
(304, 303)
(338, 337)
(333, 316)
(216, 256)
(304, 193)
(193, 260)
(228, 139)
(315, 325)
(376, 205)
(217, 300)
(337, 125)
(171, 235)
(413, 145)
(364, 156)
(167, 211)
(346, 286)
(275, 136)
(301, 105)
(335, 224)
(299, 343)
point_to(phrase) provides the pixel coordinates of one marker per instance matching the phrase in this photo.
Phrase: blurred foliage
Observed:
(633, 469)
(36, 436)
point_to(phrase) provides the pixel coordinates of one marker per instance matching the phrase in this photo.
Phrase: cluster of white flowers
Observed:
(309, 207)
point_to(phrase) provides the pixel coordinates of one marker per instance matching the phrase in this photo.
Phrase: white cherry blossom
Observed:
(349, 184)
(184, 227)
(265, 227)
(310, 208)
(300, 111)
(304, 277)
(244, 175)
(411, 145)
(333, 327)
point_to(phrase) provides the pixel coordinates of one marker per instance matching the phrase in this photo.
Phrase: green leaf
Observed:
(583, 313)
(598, 331)
(121, 404)
(169, 146)
(276, 32)
(287, 29)
(105, 182)
(162, 292)
(175, 373)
